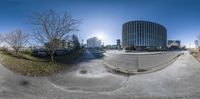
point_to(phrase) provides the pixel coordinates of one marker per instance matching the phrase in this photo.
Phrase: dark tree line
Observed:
(49, 26)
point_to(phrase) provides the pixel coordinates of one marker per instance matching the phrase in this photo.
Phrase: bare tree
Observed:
(51, 27)
(1, 38)
(16, 39)
(198, 39)
(76, 43)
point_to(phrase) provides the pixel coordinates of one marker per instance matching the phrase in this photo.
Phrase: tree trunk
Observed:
(17, 52)
(52, 56)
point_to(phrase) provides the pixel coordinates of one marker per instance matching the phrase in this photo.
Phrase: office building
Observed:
(118, 44)
(142, 35)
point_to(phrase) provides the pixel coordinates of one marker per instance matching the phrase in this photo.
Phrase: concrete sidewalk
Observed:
(180, 80)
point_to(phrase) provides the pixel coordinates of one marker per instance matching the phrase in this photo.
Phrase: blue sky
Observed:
(105, 17)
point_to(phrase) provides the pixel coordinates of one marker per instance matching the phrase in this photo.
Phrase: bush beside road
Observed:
(196, 54)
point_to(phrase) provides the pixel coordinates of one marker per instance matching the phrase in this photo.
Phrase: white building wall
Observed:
(93, 43)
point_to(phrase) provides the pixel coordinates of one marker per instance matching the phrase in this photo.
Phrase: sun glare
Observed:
(100, 36)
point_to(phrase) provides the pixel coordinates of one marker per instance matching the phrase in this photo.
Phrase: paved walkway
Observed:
(88, 75)
(180, 80)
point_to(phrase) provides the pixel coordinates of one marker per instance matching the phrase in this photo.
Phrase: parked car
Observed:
(40, 52)
(45, 52)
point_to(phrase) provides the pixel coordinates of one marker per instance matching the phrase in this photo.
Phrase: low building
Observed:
(93, 42)
(111, 47)
(71, 42)
(60, 44)
(174, 44)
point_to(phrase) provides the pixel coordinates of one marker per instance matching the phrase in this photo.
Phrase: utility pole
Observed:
(82, 42)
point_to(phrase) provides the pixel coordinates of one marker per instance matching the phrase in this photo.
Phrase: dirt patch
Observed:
(196, 54)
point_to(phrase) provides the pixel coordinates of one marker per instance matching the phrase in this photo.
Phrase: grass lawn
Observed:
(196, 54)
(33, 66)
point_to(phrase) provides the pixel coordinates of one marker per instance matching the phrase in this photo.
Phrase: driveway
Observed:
(90, 79)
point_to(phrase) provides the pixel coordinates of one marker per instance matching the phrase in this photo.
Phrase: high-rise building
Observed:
(118, 44)
(93, 43)
(143, 35)
(196, 42)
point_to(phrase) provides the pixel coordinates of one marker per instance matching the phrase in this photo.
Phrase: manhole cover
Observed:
(24, 83)
(82, 71)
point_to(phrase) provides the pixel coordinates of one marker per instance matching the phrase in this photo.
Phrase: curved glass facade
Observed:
(144, 34)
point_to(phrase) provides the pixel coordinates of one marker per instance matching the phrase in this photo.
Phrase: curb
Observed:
(145, 72)
(139, 54)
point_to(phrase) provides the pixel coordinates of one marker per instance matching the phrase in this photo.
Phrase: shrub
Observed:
(27, 52)
(4, 49)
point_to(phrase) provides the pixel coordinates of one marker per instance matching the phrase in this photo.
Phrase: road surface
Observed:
(132, 62)
(90, 79)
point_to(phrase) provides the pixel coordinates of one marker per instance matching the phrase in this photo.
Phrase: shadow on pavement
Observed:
(90, 55)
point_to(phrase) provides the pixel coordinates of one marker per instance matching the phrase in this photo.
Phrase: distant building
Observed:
(61, 44)
(111, 46)
(93, 43)
(196, 43)
(71, 42)
(174, 44)
(118, 44)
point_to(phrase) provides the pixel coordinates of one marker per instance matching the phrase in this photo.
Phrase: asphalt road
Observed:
(90, 79)
(132, 62)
